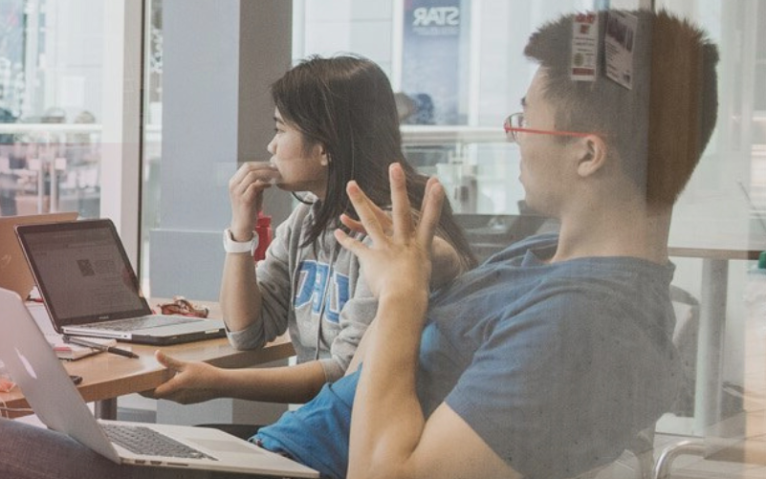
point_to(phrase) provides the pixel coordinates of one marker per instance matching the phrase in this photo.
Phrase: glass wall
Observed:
(457, 67)
(451, 65)
(152, 128)
(50, 106)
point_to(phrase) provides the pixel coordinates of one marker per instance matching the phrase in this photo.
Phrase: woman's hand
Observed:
(246, 194)
(399, 260)
(190, 382)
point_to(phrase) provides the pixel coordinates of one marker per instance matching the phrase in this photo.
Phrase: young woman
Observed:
(336, 120)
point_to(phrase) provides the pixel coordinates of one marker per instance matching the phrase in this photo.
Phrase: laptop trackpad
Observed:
(224, 446)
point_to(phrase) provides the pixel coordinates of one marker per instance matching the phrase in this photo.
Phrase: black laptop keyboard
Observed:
(148, 442)
(142, 322)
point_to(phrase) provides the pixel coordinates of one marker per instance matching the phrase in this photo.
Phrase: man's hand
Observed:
(445, 260)
(399, 260)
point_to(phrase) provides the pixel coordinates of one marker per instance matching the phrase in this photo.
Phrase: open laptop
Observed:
(90, 288)
(14, 271)
(56, 401)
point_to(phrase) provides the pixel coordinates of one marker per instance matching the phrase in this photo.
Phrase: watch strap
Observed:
(232, 246)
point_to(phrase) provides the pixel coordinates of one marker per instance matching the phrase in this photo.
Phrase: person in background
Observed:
(335, 121)
(545, 361)
(405, 106)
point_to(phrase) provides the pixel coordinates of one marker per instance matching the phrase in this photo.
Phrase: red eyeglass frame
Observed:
(516, 129)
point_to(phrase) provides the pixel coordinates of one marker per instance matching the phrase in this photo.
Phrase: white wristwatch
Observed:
(231, 246)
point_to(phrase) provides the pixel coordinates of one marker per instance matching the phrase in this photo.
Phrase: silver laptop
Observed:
(90, 288)
(56, 401)
(14, 271)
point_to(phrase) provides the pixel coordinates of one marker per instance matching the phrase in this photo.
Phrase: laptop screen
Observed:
(14, 271)
(82, 271)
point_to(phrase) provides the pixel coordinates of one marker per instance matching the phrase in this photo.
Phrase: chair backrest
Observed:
(639, 456)
(687, 309)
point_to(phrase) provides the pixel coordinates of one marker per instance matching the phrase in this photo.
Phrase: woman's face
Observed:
(300, 171)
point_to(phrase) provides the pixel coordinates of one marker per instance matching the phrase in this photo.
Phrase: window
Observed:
(51, 74)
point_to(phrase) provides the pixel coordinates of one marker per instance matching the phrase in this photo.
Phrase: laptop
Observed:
(14, 271)
(56, 401)
(89, 287)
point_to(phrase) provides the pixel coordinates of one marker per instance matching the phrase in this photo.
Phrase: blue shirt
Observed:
(556, 366)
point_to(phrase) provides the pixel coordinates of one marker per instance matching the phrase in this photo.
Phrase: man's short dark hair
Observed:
(659, 128)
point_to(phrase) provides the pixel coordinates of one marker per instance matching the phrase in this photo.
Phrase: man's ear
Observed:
(592, 153)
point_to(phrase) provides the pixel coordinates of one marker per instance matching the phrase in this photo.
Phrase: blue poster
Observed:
(435, 32)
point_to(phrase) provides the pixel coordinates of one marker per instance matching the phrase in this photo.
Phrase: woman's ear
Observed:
(592, 155)
(324, 157)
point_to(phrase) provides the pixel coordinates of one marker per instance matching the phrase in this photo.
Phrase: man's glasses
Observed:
(517, 123)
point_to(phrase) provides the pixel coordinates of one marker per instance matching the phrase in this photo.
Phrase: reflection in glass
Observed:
(50, 106)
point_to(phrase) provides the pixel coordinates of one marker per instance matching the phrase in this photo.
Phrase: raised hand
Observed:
(246, 194)
(398, 262)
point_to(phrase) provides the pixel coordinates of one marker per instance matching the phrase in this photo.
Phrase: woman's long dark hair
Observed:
(346, 104)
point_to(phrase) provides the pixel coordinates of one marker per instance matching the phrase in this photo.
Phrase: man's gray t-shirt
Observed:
(556, 367)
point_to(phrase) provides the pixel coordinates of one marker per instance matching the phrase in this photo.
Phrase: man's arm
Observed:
(389, 435)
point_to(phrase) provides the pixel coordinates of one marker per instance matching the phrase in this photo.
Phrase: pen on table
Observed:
(100, 347)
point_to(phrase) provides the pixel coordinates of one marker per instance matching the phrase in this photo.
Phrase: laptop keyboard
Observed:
(148, 442)
(142, 322)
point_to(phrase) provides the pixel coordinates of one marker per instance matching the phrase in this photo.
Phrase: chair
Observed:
(751, 451)
(639, 455)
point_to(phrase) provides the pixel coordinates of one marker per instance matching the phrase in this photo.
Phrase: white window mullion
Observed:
(120, 138)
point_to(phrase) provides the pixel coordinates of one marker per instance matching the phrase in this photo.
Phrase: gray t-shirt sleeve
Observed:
(355, 317)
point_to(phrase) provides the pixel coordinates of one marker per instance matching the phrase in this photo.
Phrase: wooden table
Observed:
(108, 376)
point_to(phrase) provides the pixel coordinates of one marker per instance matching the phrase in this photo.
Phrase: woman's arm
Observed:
(194, 382)
(240, 297)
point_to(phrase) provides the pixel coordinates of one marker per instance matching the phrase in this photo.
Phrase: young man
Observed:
(547, 360)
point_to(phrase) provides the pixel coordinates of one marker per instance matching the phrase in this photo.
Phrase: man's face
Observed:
(543, 169)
